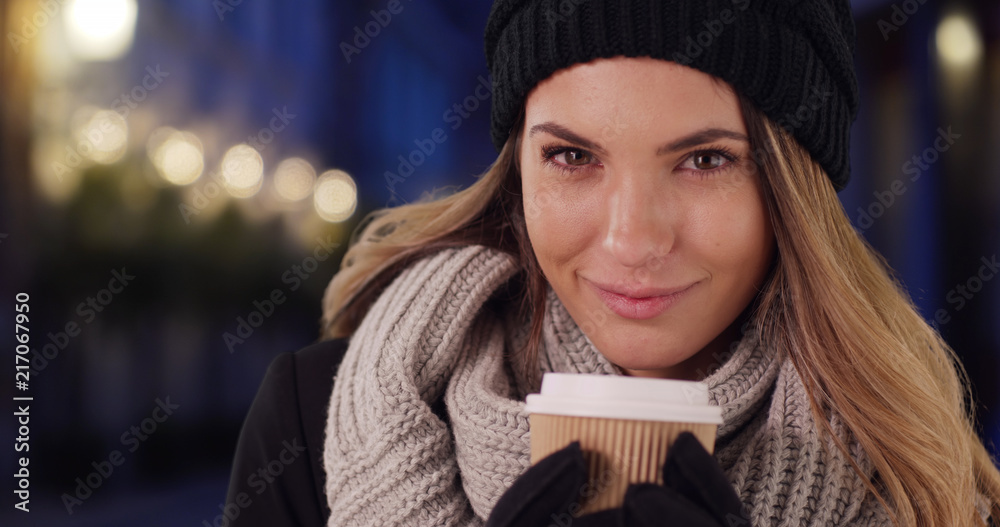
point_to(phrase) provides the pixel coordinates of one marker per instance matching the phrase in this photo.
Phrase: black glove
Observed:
(696, 493)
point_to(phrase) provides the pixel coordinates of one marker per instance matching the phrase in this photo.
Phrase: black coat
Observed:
(277, 476)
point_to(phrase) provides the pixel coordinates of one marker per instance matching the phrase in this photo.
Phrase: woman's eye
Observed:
(573, 157)
(708, 160)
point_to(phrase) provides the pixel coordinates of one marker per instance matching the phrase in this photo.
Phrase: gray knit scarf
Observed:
(390, 460)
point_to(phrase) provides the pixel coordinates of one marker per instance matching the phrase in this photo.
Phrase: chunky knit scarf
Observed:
(390, 460)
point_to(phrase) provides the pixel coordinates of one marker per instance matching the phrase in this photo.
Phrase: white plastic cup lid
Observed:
(620, 397)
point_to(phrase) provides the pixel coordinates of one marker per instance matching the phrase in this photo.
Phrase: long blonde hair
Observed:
(861, 348)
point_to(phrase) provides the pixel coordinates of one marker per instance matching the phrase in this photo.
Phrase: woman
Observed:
(663, 204)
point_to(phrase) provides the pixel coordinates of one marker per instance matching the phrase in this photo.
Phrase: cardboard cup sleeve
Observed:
(625, 426)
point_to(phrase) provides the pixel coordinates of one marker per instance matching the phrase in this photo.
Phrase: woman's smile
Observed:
(640, 304)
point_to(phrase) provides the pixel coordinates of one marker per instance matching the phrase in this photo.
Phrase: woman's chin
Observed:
(645, 364)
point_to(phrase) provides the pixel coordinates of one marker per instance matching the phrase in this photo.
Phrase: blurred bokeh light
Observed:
(958, 41)
(294, 179)
(101, 135)
(336, 196)
(177, 155)
(100, 29)
(242, 171)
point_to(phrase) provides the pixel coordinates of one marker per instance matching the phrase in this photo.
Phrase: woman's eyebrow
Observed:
(699, 138)
(566, 134)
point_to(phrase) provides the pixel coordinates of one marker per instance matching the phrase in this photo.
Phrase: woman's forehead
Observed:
(638, 95)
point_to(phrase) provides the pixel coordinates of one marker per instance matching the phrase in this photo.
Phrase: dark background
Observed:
(925, 68)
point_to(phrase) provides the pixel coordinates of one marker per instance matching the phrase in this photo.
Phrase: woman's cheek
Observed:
(558, 222)
(734, 235)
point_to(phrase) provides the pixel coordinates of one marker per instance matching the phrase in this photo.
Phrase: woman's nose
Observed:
(638, 222)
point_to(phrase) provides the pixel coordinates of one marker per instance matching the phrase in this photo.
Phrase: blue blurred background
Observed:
(180, 179)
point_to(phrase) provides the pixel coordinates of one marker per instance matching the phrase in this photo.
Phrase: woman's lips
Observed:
(640, 304)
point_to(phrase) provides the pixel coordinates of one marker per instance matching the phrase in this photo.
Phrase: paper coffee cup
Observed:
(624, 425)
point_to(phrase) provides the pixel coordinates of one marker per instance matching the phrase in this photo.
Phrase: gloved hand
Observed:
(696, 493)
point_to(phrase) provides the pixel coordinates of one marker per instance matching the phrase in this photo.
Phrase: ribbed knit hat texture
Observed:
(792, 58)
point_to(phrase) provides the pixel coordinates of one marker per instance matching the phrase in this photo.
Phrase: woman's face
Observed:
(645, 210)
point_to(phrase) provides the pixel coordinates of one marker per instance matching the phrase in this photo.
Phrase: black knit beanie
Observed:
(792, 58)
